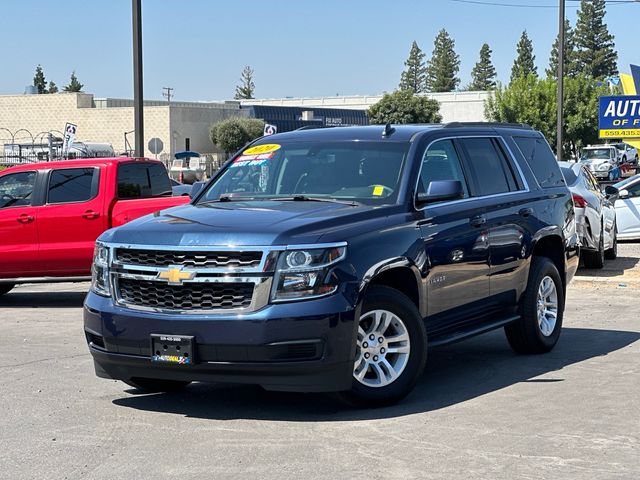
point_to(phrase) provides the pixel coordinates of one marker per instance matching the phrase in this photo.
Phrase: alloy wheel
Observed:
(547, 306)
(382, 348)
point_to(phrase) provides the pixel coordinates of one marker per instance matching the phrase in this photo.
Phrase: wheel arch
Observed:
(401, 275)
(552, 247)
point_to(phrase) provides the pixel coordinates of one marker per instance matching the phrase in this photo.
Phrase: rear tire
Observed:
(391, 349)
(596, 259)
(612, 253)
(6, 288)
(541, 311)
(153, 385)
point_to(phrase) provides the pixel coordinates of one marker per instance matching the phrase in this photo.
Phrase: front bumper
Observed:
(301, 346)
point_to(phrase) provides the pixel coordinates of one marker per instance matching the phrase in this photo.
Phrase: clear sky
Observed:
(297, 48)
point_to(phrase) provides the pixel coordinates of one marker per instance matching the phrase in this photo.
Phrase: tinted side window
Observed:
(140, 180)
(16, 189)
(490, 174)
(634, 191)
(72, 185)
(441, 162)
(160, 184)
(539, 156)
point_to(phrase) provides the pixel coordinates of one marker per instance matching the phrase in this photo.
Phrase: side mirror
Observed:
(610, 191)
(623, 194)
(196, 188)
(441, 190)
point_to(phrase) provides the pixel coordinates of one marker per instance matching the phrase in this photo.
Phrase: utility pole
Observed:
(167, 93)
(137, 77)
(560, 119)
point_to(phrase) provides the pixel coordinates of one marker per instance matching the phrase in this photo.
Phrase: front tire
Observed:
(6, 288)
(391, 349)
(541, 311)
(154, 385)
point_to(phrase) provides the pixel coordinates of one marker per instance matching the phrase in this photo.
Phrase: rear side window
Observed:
(142, 180)
(569, 175)
(72, 185)
(16, 189)
(489, 169)
(539, 156)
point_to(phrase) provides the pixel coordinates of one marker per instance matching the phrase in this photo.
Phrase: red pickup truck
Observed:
(51, 213)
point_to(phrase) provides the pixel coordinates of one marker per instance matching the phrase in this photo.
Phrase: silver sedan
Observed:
(595, 215)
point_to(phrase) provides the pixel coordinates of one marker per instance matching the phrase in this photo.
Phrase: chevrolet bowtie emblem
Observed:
(176, 276)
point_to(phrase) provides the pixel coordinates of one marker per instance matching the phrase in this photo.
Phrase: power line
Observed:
(525, 5)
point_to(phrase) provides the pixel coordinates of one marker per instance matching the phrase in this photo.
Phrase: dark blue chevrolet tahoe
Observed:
(332, 259)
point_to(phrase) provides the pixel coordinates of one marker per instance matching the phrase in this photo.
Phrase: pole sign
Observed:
(69, 137)
(620, 116)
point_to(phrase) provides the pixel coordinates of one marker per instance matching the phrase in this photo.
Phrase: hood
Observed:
(249, 223)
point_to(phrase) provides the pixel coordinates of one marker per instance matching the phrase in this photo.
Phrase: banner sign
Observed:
(620, 117)
(69, 137)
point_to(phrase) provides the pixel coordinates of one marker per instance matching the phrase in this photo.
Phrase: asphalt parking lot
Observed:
(480, 411)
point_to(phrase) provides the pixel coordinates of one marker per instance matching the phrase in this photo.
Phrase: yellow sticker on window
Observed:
(378, 190)
(266, 148)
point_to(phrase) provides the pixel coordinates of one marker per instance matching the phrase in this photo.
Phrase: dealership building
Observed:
(27, 119)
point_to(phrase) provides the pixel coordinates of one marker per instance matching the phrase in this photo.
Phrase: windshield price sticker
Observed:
(258, 149)
(378, 190)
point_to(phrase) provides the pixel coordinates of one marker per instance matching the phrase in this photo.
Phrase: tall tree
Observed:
(414, 76)
(39, 81)
(402, 106)
(246, 88)
(483, 75)
(525, 62)
(74, 84)
(444, 65)
(595, 49)
(53, 88)
(570, 65)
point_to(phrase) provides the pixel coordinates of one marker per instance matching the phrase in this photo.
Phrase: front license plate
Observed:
(175, 349)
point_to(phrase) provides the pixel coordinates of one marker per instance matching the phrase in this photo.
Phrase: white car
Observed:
(626, 153)
(595, 215)
(628, 208)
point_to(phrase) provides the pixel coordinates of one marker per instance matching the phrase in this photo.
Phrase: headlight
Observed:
(603, 167)
(301, 274)
(100, 271)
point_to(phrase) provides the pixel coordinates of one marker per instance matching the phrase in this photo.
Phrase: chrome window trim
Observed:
(461, 200)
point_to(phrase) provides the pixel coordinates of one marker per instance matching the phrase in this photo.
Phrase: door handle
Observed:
(478, 221)
(90, 215)
(525, 212)
(24, 218)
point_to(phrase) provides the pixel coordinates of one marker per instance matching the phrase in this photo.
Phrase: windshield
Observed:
(620, 185)
(597, 153)
(366, 172)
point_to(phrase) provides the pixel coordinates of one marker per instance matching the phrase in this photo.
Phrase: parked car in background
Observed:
(627, 207)
(333, 259)
(187, 167)
(626, 153)
(602, 161)
(179, 189)
(51, 213)
(595, 215)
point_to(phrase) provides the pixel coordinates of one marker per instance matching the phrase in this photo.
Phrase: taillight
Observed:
(181, 177)
(579, 201)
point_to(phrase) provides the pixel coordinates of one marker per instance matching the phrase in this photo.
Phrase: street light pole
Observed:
(137, 78)
(560, 119)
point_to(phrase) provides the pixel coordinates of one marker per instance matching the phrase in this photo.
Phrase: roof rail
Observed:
(523, 126)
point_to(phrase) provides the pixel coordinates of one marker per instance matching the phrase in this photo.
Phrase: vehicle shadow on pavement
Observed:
(454, 374)
(612, 268)
(43, 299)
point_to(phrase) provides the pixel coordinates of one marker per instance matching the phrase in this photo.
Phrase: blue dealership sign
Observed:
(620, 116)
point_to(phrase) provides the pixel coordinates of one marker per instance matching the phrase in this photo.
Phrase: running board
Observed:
(44, 279)
(458, 336)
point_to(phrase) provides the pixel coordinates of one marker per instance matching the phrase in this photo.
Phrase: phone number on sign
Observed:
(623, 133)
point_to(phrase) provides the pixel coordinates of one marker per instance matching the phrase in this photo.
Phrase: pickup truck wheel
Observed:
(6, 287)
(541, 310)
(612, 253)
(391, 349)
(595, 259)
(152, 385)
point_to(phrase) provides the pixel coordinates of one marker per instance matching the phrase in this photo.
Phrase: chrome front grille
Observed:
(191, 280)
(187, 297)
(196, 259)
